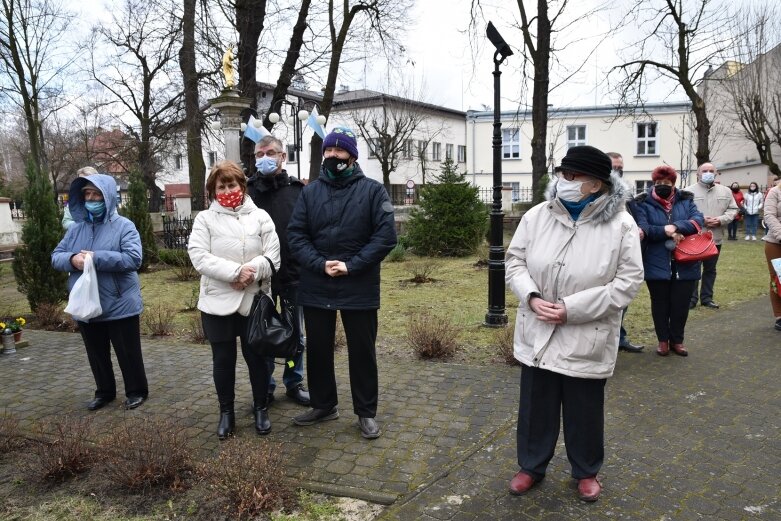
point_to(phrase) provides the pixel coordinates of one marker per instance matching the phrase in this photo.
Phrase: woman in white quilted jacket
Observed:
(232, 245)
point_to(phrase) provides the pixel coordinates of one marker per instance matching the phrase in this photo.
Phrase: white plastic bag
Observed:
(84, 300)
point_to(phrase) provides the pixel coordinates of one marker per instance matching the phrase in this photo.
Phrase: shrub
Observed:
(137, 210)
(42, 231)
(422, 269)
(158, 319)
(451, 220)
(249, 479)
(180, 261)
(10, 436)
(397, 254)
(196, 330)
(192, 302)
(505, 339)
(143, 453)
(52, 317)
(65, 449)
(432, 336)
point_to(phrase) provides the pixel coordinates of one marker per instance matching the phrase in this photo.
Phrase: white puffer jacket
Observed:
(593, 266)
(221, 242)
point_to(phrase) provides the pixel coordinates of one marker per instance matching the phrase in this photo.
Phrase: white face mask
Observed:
(708, 178)
(569, 190)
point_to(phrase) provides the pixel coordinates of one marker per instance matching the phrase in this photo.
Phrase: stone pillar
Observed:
(8, 229)
(183, 206)
(230, 104)
(507, 199)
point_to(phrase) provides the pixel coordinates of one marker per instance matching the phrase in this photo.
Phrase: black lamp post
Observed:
(298, 115)
(496, 316)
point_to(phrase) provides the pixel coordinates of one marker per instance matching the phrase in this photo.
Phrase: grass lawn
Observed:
(458, 293)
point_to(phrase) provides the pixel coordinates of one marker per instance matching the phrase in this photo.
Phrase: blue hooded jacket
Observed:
(116, 247)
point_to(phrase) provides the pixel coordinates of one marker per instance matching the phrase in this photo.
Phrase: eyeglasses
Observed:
(570, 176)
(269, 153)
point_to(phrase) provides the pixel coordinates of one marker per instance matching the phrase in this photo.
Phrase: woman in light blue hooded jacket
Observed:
(115, 246)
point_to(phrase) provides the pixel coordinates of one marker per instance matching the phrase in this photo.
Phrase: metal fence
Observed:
(176, 232)
(519, 195)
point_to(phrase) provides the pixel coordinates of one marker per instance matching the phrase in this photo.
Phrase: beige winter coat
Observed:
(773, 215)
(221, 242)
(594, 266)
(715, 201)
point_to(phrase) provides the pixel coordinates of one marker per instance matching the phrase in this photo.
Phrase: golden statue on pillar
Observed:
(227, 68)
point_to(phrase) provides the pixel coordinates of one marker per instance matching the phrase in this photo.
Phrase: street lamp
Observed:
(496, 315)
(298, 115)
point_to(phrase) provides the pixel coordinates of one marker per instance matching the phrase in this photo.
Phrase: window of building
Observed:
(406, 149)
(647, 139)
(291, 154)
(462, 153)
(178, 161)
(642, 186)
(436, 151)
(449, 151)
(422, 147)
(375, 147)
(576, 135)
(212, 158)
(511, 143)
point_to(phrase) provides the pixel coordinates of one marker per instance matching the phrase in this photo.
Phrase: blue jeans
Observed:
(751, 224)
(292, 376)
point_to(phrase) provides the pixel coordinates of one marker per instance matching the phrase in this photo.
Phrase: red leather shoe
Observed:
(680, 350)
(521, 483)
(589, 489)
(663, 349)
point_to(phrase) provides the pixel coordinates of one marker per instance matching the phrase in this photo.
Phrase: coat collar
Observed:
(603, 209)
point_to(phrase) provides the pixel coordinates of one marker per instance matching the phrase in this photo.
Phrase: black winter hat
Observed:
(587, 160)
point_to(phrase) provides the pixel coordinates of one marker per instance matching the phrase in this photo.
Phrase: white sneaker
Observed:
(748, 237)
(753, 237)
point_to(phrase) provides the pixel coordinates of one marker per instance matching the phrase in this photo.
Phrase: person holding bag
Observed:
(232, 245)
(114, 245)
(665, 215)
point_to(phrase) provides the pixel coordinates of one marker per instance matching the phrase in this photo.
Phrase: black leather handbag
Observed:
(269, 332)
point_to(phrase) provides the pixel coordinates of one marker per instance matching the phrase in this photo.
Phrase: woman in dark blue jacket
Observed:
(341, 229)
(115, 247)
(665, 216)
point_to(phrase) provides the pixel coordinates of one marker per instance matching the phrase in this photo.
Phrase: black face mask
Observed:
(663, 191)
(335, 165)
(735, 189)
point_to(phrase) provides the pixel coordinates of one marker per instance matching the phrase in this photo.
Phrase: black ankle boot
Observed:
(262, 421)
(227, 422)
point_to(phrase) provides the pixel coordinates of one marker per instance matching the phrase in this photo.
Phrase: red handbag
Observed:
(696, 247)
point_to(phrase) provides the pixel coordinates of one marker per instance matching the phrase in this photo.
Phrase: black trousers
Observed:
(125, 335)
(222, 332)
(360, 328)
(670, 307)
(544, 396)
(708, 280)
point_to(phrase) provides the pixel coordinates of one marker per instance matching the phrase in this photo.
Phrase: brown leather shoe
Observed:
(680, 350)
(521, 483)
(589, 489)
(663, 349)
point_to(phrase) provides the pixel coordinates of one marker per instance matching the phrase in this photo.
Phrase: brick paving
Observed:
(686, 438)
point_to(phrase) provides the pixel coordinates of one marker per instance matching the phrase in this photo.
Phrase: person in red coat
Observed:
(732, 228)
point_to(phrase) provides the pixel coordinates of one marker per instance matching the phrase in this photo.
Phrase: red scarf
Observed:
(231, 199)
(667, 204)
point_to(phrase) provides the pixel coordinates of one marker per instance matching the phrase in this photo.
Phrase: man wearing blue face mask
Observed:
(274, 191)
(716, 203)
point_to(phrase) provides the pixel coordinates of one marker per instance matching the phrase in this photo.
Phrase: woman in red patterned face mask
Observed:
(232, 245)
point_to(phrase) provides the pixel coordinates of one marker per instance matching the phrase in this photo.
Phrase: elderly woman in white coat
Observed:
(574, 263)
(232, 245)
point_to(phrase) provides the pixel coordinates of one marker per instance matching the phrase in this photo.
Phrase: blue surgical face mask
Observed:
(708, 178)
(266, 165)
(96, 208)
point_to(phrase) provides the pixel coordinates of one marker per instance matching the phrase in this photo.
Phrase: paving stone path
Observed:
(686, 438)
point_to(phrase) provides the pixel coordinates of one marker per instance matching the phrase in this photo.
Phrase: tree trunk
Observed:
(193, 120)
(541, 60)
(250, 15)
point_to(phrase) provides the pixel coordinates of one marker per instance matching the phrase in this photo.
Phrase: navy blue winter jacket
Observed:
(651, 218)
(349, 220)
(116, 246)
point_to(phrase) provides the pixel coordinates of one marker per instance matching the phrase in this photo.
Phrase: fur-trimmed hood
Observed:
(607, 205)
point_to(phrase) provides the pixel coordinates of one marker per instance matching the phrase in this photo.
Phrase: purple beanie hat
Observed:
(343, 138)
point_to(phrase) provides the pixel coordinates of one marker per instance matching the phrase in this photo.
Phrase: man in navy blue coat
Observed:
(341, 229)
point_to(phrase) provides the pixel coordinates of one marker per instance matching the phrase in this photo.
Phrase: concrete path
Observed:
(687, 438)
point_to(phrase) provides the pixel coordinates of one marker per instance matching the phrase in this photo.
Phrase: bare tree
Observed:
(389, 128)
(678, 44)
(379, 21)
(745, 87)
(141, 75)
(32, 61)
